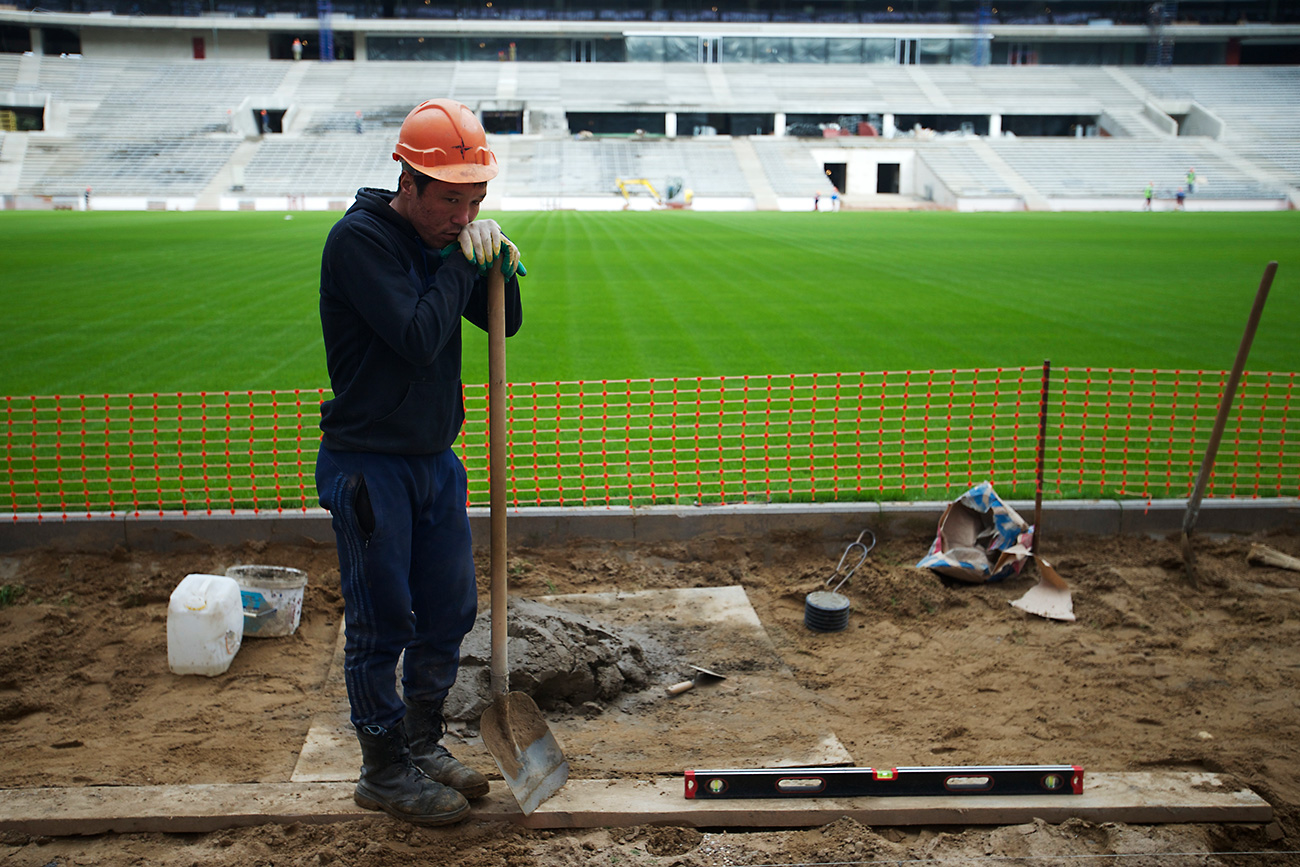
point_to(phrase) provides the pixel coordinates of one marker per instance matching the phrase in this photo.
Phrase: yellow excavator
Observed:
(677, 197)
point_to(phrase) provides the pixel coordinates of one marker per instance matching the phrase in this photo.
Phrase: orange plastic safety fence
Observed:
(823, 437)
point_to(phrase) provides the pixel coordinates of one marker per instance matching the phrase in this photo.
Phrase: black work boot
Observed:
(424, 730)
(392, 783)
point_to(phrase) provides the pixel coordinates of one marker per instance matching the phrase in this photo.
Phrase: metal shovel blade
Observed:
(528, 755)
(1050, 597)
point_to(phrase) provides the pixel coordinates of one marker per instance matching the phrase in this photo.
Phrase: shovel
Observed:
(1050, 597)
(513, 729)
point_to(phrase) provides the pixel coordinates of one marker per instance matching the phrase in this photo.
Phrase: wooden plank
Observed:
(1135, 798)
(173, 809)
(1153, 797)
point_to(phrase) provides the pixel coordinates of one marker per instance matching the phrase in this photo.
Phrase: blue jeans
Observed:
(406, 567)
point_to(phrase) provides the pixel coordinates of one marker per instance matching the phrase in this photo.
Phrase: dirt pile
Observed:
(565, 661)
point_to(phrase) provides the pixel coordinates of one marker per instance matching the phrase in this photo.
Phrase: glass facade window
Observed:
(681, 49)
(772, 49)
(609, 50)
(686, 49)
(803, 50)
(737, 49)
(645, 49)
(878, 51)
(775, 49)
(410, 48)
(543, 50)
(844, 50)
(934, 51)
(963, 52)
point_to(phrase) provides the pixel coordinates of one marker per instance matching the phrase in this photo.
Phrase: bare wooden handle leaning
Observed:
(679, 688)
(1225, 405)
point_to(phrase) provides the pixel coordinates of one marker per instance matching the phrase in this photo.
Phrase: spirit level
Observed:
(885, 782)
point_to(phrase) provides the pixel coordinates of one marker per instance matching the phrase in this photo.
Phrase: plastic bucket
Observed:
(205, 620)
(272, 598)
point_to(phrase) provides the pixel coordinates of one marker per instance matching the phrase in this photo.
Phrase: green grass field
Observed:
(141, 302)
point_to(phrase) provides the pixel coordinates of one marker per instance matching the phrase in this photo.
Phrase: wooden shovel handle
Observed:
(499, 668)
(679, 688)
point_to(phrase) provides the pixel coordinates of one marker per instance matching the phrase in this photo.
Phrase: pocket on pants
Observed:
(363, 509)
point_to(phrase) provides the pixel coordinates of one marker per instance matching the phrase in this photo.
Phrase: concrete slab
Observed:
(647, 732)
(1134, 798)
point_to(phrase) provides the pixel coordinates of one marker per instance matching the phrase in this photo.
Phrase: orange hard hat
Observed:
(443, 139)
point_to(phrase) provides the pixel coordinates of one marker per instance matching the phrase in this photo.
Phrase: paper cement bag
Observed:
(980, 539)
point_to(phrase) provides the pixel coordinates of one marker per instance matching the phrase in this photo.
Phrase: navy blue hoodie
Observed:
(390, 310)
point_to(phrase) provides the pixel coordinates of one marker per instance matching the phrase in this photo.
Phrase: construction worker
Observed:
(398, 273)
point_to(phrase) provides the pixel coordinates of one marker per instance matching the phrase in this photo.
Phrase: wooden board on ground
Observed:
(1135, 798)
(648, 733)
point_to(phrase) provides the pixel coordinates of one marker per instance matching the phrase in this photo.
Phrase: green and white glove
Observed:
(482, 243)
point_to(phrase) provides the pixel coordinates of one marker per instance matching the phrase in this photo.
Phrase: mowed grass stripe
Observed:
(140, 302)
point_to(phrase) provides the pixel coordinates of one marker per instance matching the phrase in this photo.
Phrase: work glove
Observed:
(482, 243)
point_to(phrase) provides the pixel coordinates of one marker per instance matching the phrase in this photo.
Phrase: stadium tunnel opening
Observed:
(971, 124)
(822, 125)
(50, 41)
(889, 177)
(22, 118)
(616, 122)
(274, 120)
(1051, 125)
(721, 123)
(837, 174)
(1269, 52)
(503, 122)
(15, 39)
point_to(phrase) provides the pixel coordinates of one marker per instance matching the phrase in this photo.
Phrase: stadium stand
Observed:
(9, 70)
(789, 170)
(313, 165)
(1260, 109)
(1098, 168)
(140, 130)
(150, 170)
(964, 171)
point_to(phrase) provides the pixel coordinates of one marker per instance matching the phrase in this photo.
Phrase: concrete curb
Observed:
(535, 527)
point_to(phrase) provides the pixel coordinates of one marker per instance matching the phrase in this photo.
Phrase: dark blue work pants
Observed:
(407, 571)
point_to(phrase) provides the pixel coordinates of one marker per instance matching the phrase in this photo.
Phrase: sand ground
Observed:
(1154, 674)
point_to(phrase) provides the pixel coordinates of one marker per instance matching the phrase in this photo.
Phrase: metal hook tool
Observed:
(843, 574)
(828, 610)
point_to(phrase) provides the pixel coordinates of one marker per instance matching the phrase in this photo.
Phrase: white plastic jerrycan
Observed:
(205, 625)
